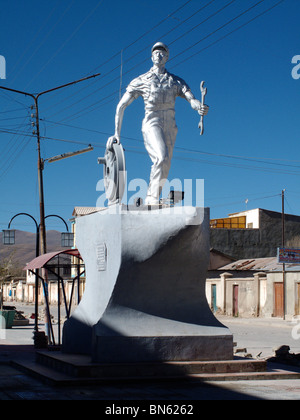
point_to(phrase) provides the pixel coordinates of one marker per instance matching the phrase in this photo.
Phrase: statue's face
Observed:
(160, 57)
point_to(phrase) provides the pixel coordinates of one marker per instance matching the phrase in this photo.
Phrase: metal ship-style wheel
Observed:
(114, 173)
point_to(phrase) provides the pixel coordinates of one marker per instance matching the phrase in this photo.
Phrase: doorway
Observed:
(235, 300)
(214, 298)
(278, 300)
(297, 312)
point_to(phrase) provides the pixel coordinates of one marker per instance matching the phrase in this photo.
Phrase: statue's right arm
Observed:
(125, 101)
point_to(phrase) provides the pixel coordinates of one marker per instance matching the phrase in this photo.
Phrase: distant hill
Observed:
(24, 249)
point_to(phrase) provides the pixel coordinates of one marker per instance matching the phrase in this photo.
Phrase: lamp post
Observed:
(283, 245)
(41, 236)
(67, 238)
(40, 163)
(9, 239)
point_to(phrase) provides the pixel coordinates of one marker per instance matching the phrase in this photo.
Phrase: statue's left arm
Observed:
(125, 101)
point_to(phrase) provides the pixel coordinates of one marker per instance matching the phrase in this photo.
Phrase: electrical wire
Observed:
(8, 144)
(62, 46)
(224, 36)
(11, 110)
(135, 66)
(232, 165)
(12, 118)
(29, 45)
(6, 95)
(45, 38)
(248, 158)
(264, 160)
(204, 21)
(12, 155)
(230, 33)
(110, 71)
(131, 149)
(90, 107)
(143, 35)
(185, 150)
(224, 204)
(119, 52)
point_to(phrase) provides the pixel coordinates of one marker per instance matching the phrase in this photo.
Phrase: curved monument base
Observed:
(163, 349)
(145, 288)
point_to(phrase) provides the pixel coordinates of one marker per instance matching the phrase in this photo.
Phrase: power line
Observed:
(137, 65)
(12, 118)
(218, 29)
(13, 152)
(240, 201)
(265, 160)
(230, 33)
(11, 110)
(248, 158)
(191, 151)
(29, 45)
(203, 21)
(124, 49)
(13, 99)
(90, 107)
(10, 131)
(144, 34)
(16, 156)
(45, 38)
(67, 40)
(204, 161)
(96, 103)
(233, 165)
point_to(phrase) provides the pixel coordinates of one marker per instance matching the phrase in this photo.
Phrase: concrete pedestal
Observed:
(145, 288)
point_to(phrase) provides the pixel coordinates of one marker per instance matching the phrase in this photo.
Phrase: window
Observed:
(67, 239)
(8, 237)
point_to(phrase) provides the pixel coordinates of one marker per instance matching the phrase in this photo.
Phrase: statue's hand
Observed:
(197, 106)
(111, 140)
(203, 110)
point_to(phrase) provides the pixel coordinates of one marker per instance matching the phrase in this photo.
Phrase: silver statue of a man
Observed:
(159, 89)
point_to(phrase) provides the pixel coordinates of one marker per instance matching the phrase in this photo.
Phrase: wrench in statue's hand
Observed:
(203, 93)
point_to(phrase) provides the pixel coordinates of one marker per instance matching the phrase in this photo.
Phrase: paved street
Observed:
(258, 336)
(261, 335)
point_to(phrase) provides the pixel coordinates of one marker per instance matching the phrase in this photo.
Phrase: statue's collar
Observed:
(161, 76)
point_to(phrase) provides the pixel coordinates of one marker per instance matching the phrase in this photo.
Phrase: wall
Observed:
(251, 292)
(252, 217)
(217, 260)
(258, 243)
(292, 281)
(239, 243)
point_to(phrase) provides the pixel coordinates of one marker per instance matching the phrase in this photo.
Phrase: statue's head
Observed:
(160, 53)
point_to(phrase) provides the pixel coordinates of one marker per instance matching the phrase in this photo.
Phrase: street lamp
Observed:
(69, 154)
(9, 234)
(8, 237)
(40, 163)
(67, 239)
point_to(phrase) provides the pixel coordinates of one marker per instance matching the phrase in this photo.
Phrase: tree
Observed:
(8, 270)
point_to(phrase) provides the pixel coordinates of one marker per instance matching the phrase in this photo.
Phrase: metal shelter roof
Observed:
(42, 260)
(268, 264)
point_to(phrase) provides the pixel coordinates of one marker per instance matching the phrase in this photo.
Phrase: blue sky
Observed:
(250, 149)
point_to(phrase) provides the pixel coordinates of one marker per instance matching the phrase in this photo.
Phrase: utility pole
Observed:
(40, 162)
(283, 245)
(40, 167)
